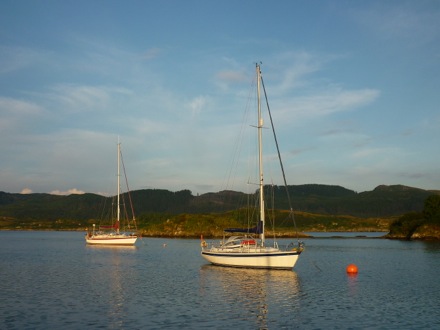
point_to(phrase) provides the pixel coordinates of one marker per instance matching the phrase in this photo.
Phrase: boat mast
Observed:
(118, 211)
(260, 154)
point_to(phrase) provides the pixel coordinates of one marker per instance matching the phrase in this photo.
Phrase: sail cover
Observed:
(258, 229)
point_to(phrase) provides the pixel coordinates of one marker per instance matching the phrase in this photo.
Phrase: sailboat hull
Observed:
(267, 260)
(111, 240)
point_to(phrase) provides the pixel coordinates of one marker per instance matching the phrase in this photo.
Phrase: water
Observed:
(52, 280)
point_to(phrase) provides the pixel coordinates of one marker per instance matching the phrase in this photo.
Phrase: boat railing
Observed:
(295, 247)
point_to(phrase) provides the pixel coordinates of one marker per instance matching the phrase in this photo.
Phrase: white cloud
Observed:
(26, 191)
(67, 192)
(197, 104)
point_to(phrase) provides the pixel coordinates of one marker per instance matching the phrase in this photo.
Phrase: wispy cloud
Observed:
(79, 98)
(17, 115)
(232, 76)
(298, 66)
(376, 153)
(152, 53)
(324, 103)
(197, 104)
(18, 107)
(14, 58)
(403, 22)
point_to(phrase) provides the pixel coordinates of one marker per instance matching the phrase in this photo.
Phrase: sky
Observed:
(353, 86)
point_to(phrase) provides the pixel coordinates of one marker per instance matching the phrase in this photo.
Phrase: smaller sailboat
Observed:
(111, 234)
(243, 249)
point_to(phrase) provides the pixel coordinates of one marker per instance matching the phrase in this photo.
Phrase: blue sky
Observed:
(353, 88)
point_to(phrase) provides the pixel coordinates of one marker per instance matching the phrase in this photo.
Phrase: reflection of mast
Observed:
(263, 310)
(118, 209)
(112, 290)
(118, 295)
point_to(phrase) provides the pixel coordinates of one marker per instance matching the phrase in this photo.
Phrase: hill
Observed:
(383, 201)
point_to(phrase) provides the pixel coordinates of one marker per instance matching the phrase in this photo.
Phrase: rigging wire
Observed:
(238, 146)
(279, 157)
(129, 195)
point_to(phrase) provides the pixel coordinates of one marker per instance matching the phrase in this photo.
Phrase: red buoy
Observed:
(352, 269)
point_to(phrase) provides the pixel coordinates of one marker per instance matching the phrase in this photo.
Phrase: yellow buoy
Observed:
(352, 269)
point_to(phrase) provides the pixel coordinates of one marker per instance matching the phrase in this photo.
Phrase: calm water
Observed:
(52, 280)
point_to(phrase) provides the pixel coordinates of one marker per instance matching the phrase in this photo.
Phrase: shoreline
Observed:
(300, 235)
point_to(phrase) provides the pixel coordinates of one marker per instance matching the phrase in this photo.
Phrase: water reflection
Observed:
(431, 246)
(112, 268)
(112, 247)
(352, 284)
(244, 293)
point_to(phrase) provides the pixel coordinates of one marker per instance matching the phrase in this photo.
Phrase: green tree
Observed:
(431, 211)
(406, 225)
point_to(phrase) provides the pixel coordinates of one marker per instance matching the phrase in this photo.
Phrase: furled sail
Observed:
(258, 229)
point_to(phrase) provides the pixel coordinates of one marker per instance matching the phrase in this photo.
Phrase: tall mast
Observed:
(118, 210)
(260, 154)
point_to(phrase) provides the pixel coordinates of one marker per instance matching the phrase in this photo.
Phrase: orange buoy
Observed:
(352, 269)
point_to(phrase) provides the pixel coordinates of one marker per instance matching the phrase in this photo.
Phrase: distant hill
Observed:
(383, 201)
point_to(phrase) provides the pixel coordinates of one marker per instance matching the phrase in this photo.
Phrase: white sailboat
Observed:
(111, 235)
(245, 250)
